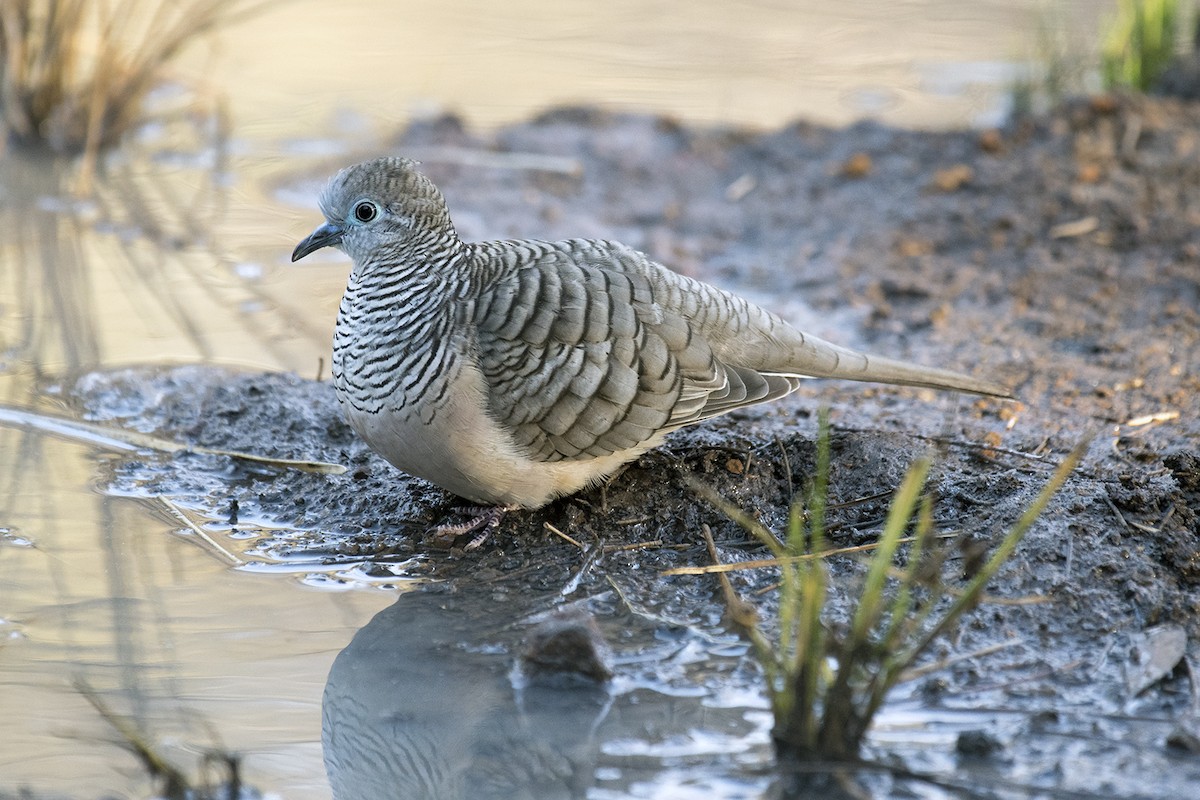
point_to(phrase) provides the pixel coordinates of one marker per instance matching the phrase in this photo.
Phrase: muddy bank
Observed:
(1061, 256)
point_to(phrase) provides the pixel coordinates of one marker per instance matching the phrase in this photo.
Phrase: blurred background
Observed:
(916, 63)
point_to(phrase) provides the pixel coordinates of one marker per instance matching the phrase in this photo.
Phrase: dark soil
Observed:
(1060, 255)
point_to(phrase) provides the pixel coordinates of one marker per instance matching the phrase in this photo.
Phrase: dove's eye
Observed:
(365, 211)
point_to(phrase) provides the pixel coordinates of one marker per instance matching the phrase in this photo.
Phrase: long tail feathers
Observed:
(817, 358)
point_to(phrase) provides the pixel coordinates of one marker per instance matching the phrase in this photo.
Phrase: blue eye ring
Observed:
(365, 211)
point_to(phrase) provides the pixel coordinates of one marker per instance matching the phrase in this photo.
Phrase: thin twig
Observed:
(560, 534)
(620, 548)
(122, 439)
(787, 467)
(861, 500)
(177, 512)
(913, 673)
(976, 446)
(737, 566)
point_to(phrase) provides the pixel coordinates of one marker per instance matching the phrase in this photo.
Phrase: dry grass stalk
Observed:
(74, 73)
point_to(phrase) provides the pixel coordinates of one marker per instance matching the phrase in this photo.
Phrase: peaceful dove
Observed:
(515, 372)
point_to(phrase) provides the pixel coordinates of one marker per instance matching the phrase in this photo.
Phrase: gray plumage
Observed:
(515, 372)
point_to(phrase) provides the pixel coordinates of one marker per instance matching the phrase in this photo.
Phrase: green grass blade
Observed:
(970, 596)
(871, 602)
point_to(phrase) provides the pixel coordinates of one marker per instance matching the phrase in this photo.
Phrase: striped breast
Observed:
(392, 346)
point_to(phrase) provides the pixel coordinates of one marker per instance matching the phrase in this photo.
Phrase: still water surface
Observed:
(181, 257)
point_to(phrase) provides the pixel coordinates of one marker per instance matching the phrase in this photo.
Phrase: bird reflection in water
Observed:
(426, 702)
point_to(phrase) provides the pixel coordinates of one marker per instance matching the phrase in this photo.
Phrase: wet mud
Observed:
(1059, 255)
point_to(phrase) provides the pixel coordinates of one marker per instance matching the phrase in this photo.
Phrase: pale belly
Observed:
(464, 451)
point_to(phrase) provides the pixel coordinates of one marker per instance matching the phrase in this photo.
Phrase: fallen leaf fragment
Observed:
(1147, 419)
(953, 178)
(1079, 227)
(1155, 653)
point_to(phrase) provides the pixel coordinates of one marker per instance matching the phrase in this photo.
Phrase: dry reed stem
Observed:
(74, 74)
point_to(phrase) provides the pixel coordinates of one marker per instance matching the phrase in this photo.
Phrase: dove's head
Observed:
(378, 209)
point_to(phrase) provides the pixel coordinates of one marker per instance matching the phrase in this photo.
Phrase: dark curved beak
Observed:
(327, 235)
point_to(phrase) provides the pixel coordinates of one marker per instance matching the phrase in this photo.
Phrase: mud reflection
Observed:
(426, 702)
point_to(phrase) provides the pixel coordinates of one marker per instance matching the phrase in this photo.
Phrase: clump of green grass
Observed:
(1139, 43)
(74, 73)
(826, 685)
(1059, 66)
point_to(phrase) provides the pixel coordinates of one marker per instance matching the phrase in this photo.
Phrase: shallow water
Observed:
(917, 63)
(181, 257)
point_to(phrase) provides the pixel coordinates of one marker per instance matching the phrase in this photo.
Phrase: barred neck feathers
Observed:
(487, 262)
(393, 343)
